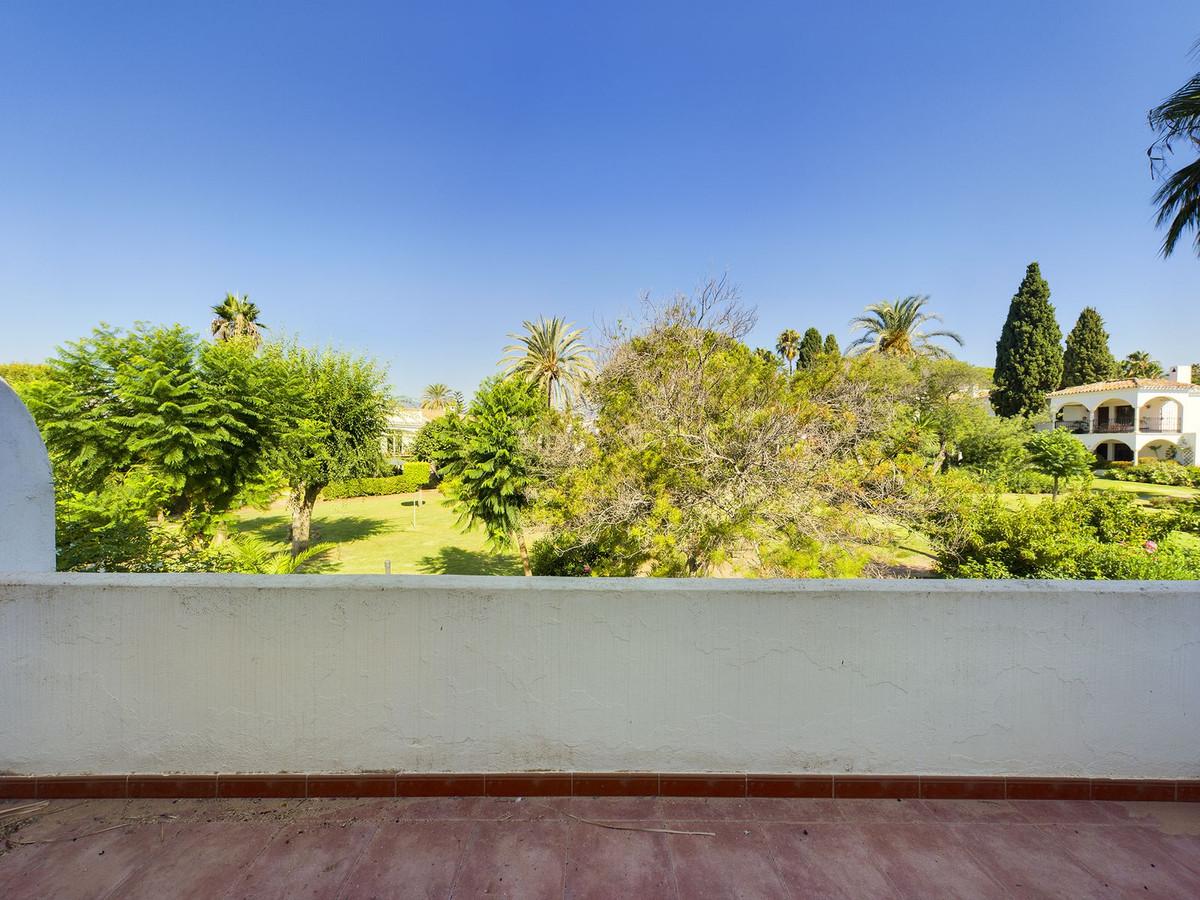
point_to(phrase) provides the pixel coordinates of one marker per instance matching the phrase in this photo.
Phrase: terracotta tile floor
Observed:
(532, 848)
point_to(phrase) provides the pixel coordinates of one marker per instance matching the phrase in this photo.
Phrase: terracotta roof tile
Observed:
(1123, 384)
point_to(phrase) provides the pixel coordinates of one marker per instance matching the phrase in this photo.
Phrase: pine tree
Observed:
(810, 348)
(831, 345)
(1029, 357)
(1087, 359)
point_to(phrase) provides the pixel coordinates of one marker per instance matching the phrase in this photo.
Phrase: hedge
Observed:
(414, 477)
(1163, 472)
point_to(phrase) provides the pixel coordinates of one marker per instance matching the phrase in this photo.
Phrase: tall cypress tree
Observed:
(1029, 357)
(810, 348)
(831, 345)
(1087, 358)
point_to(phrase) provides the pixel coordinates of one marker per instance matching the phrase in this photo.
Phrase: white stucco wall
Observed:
(109, 673)
(26, 491)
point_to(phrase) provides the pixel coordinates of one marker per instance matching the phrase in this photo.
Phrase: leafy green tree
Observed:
(831, 345)
(810, 349)
(551, 354)
(1029, 358)
(195, 419)
(896, 329)
(703, 456)
(237, 317)
(438, 440)
(1139, 364)
(492, 467)
(1177, 120)
(335, 406)
(20, 375)
(1087, 358)
(1059, 455)
(949, 405)
(788, 347)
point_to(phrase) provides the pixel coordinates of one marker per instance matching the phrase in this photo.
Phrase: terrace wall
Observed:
(111, 673)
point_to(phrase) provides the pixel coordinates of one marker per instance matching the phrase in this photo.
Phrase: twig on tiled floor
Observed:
(24, 809)
(137, 821)
(628, 827)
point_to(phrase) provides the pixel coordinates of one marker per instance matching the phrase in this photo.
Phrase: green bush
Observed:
(1087, 536)
(564, 556)
(1028, 482)
(1157, 472)
(414, 477)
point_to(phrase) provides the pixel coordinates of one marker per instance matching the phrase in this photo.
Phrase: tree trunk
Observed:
(940, 461)
(304, 498)
(1054, 489)
(524, 554)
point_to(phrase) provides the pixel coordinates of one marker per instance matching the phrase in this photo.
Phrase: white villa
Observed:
(402, 427)
(1133, 418)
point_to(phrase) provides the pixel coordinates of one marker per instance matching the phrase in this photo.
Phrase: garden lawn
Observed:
(1143, 493)
(369, 530)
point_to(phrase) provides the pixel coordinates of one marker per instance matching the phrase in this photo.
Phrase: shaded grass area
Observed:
(369, 530)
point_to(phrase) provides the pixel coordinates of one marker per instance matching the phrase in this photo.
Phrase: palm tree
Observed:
(788, 346)
(254, 556)
(551, 354)
(437, 396)
(237, 317)
(894, 329)
(1139, 364)
(1178, 119)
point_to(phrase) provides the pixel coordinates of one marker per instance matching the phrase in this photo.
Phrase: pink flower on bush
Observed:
(1150, 546)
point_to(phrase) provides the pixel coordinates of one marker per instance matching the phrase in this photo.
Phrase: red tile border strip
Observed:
(1187, 791)
(441, 786)
(171, 787)
(614, 785)
(876, 787)
(1141, 789)
(83, 787)
(1048, 788)
(231, 786)
(689, 785)
(593, 784)
(963, 787)
(18, 787)
(351, 786)
(530, 785)
(819, 786)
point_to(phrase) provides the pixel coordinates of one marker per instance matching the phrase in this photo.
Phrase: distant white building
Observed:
(1133, 418)
(402, 427)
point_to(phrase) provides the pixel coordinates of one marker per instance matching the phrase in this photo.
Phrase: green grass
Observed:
(1145, 492)
(369, 530)
(902, 550)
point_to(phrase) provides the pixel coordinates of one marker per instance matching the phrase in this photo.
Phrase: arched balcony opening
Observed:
(1159, 450)
(1114, 417)
(1073, 417)
(1161, 415)
(1114, 451)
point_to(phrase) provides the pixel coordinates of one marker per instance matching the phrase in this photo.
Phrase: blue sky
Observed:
(412, 182)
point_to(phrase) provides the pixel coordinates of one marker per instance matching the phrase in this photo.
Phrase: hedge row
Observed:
(414, 477)
(1168, 472)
